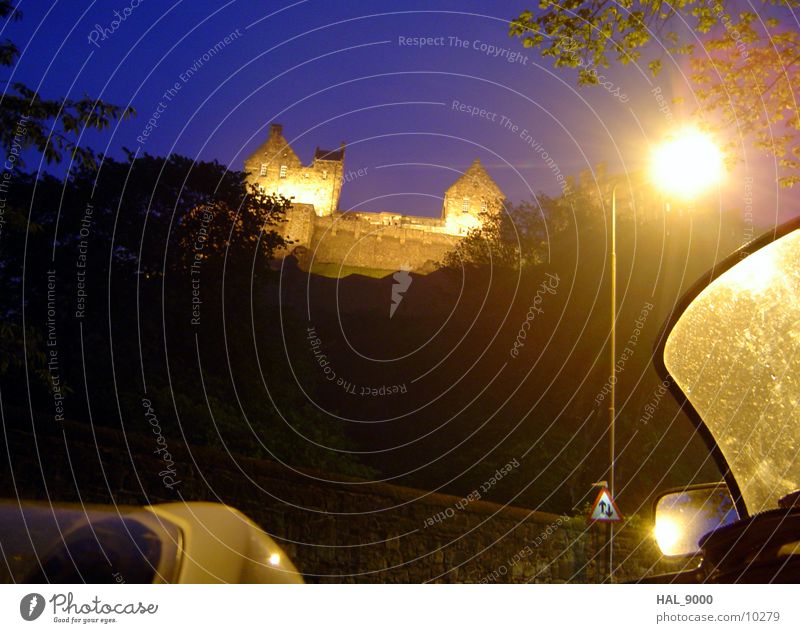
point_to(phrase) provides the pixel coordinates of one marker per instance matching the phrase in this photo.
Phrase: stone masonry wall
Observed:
(359, 243)
(352, 531)
(472, 194)
(298, 228)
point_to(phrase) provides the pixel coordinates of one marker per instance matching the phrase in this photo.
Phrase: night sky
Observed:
(333, 72)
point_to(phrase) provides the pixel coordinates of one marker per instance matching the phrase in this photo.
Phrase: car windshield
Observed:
(735, 354)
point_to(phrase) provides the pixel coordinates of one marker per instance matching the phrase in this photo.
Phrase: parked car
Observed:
(167, 543)
(732, 358)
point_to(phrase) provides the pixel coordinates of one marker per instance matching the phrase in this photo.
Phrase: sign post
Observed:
(605, 510)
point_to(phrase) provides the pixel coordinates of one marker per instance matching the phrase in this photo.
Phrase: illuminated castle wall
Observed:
(321, 234)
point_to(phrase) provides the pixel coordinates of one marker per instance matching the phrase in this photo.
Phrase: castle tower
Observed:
(276, 168)
(473, 194)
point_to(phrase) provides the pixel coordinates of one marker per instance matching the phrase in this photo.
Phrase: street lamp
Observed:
(683, 165)
(686, 163)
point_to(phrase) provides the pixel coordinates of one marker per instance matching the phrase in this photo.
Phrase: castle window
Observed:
(263, 170)
(465, 205)
(284, 169)
(484, 206)
(324, 174)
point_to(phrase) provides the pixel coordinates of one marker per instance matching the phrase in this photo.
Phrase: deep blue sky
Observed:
(334, 71)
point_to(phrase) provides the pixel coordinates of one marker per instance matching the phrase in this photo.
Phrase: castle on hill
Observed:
(322, 235)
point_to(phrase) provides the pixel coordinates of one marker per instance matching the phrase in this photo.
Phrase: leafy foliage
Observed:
(525, 235)
(139, 238)
(28, 121)
(751, 83)
(744, 77)
(576, 31)
(220, 224)
(503, 239)
(147, 218)
(50, 126)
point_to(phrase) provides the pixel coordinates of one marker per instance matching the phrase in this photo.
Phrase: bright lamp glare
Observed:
(686, 164)
(667, 534)
(275, 559)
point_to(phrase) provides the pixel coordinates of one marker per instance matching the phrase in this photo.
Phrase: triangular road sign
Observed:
(604, 508)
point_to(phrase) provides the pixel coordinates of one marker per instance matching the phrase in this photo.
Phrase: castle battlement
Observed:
(322, 234)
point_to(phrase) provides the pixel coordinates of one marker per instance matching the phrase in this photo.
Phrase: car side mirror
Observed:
(683, 517)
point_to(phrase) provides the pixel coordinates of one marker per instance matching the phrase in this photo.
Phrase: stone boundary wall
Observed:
(350, 531)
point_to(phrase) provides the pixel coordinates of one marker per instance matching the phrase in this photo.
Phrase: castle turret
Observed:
(276, 168)
(473, 194)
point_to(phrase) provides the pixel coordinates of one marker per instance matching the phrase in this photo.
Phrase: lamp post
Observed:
(683, 165)
(612, 458)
